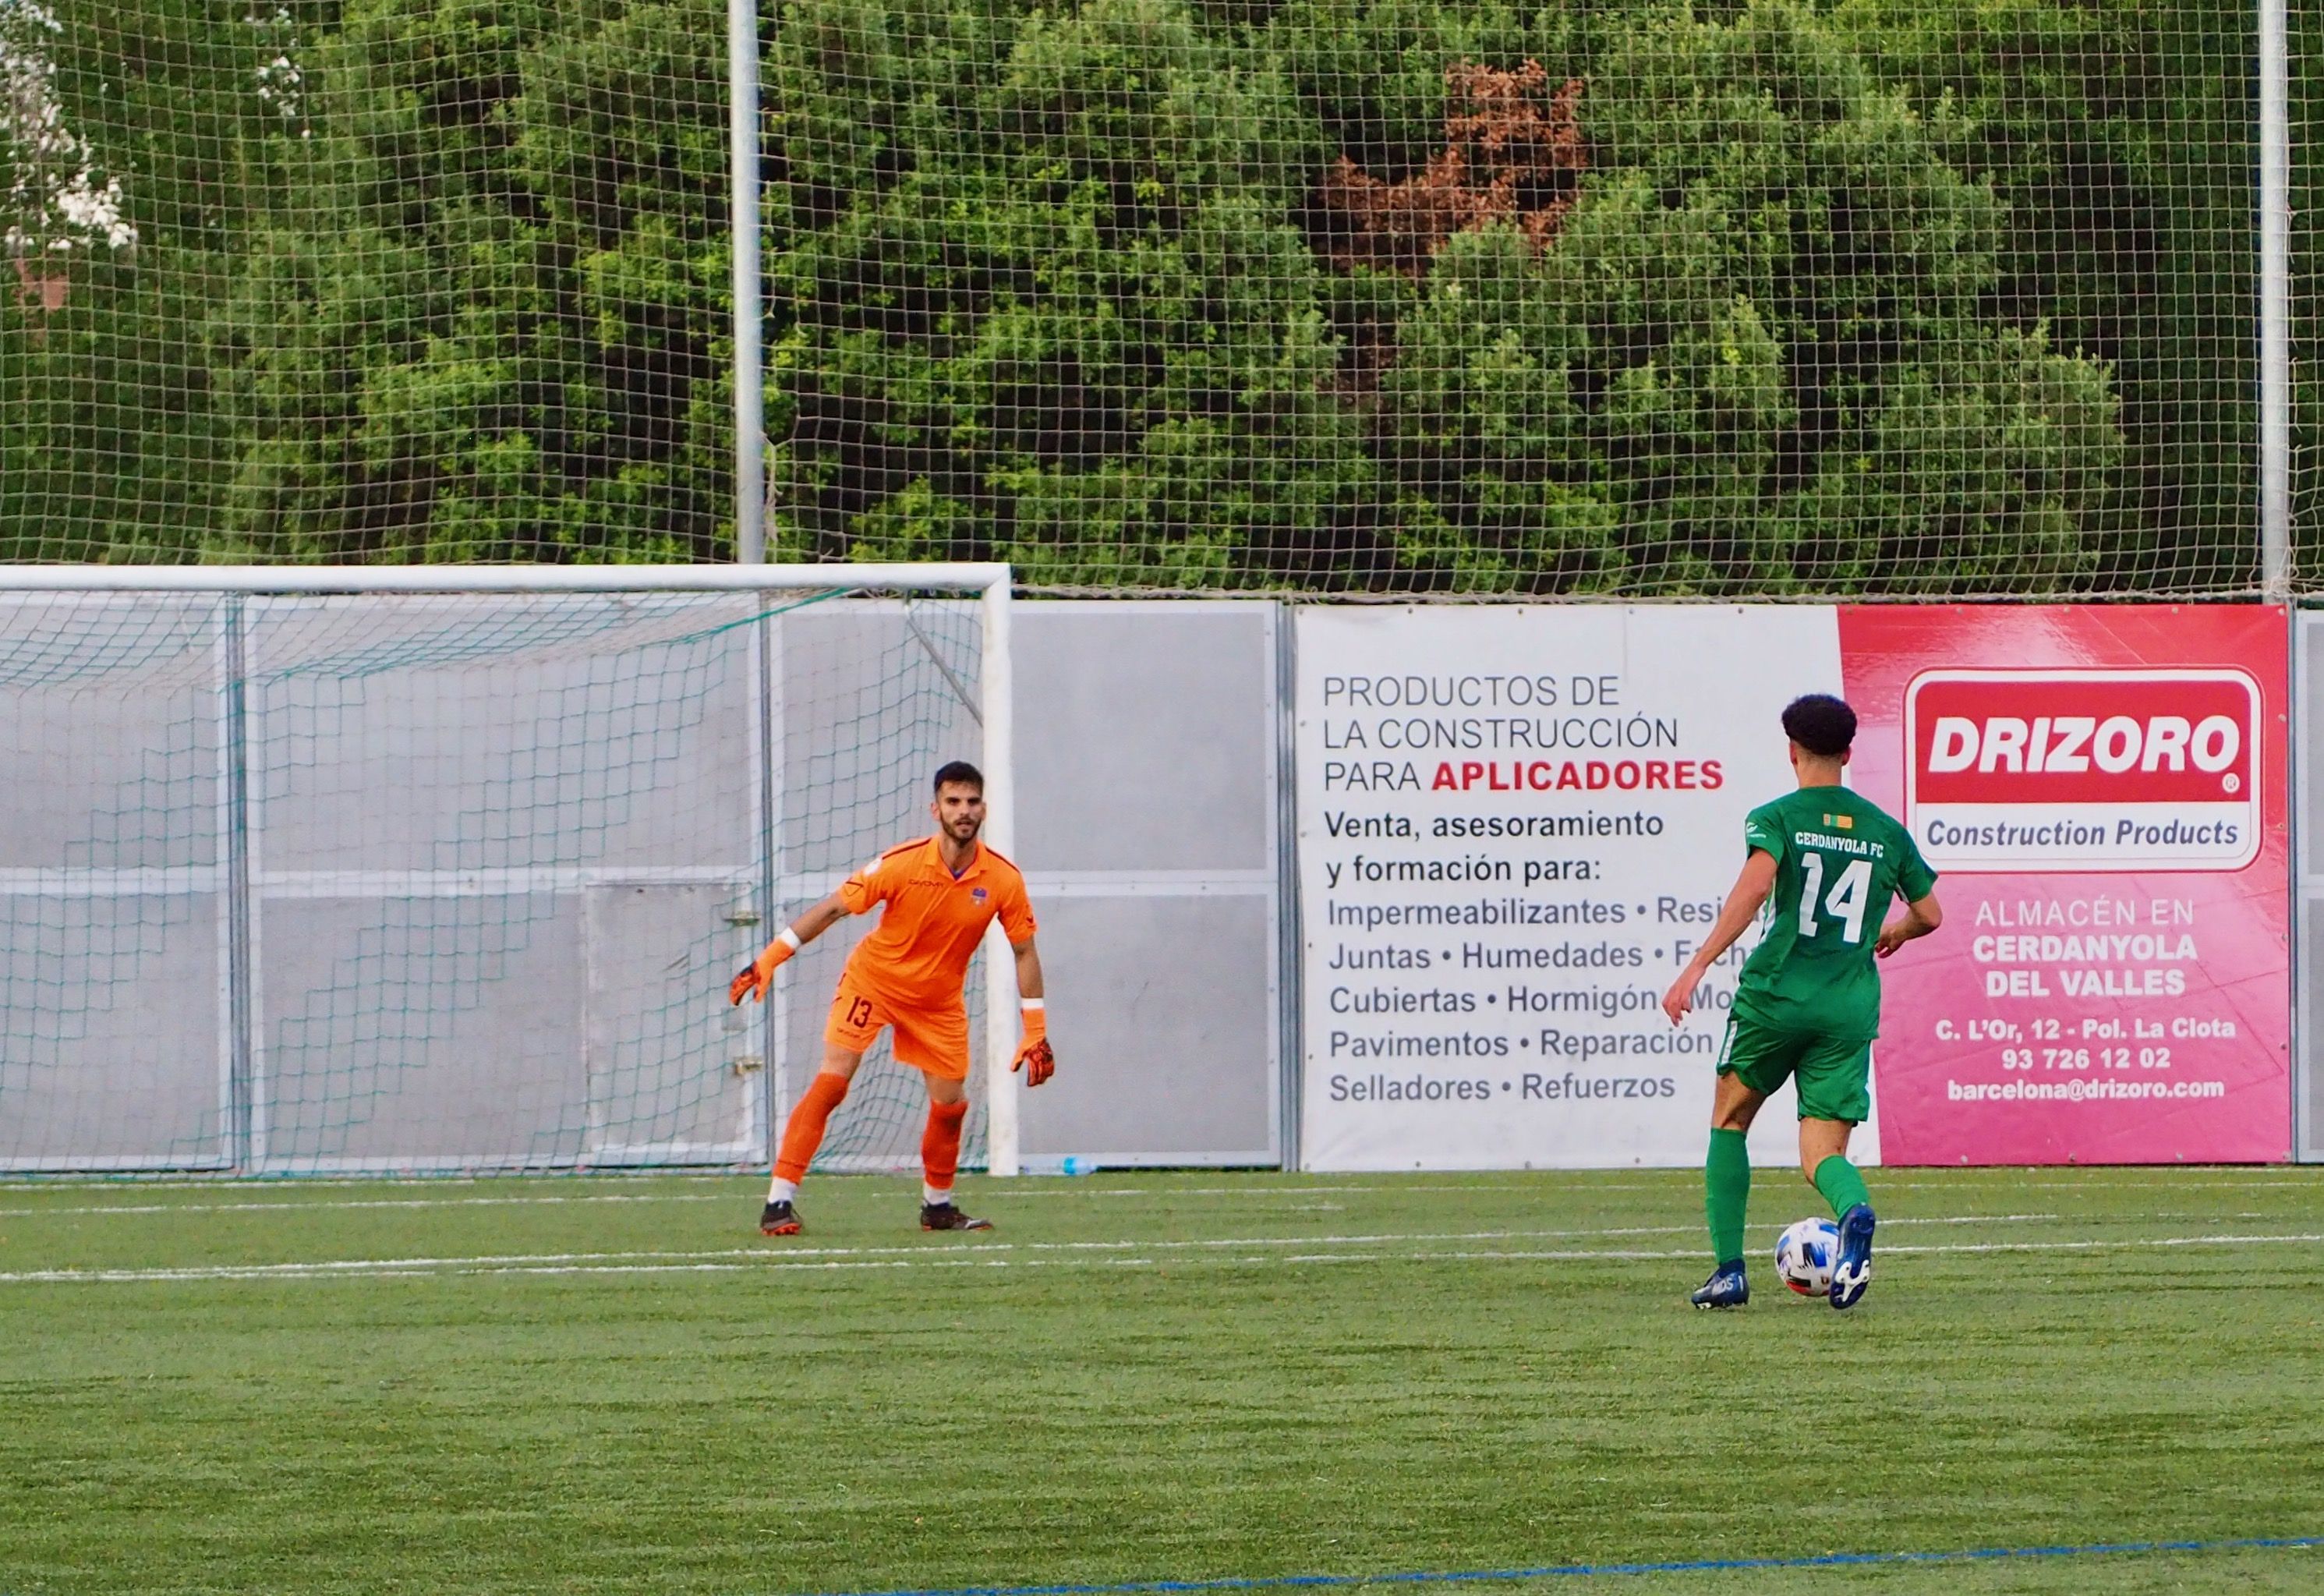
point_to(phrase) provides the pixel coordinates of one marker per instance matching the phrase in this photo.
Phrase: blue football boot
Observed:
(1726, 1289)
(1851, 1271)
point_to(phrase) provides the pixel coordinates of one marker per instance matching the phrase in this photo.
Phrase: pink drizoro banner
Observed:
(2103, 792)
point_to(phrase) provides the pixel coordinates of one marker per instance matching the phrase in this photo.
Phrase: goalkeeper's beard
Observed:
(963, 832)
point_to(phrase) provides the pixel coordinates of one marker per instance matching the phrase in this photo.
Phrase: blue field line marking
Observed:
(1324, 1582)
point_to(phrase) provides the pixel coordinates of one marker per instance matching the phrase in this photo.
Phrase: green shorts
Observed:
(1835, 1077)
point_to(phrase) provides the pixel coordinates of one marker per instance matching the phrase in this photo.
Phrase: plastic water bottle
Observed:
(1057, 1164)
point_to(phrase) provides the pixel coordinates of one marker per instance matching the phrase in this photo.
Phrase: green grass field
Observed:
(615, 1384)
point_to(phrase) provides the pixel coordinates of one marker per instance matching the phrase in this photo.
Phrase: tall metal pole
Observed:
(1290, 945)
(751, 522)
(2274, 304)
(997, 687)
(243, 1131)
(750, 409)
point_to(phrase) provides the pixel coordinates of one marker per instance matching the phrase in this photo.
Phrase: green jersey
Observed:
(1839, 860)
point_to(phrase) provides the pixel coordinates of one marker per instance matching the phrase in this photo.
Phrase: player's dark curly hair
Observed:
(1821, 724)
(959, 772)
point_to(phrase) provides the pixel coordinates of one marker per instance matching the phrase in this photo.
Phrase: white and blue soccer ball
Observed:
(1804, 1254)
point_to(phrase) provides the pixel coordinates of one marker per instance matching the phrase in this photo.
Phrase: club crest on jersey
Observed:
(978, 893)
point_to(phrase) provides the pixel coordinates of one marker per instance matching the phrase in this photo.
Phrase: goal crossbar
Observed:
(964, 577)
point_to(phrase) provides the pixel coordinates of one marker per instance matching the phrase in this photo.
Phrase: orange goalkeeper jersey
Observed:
(918, 955)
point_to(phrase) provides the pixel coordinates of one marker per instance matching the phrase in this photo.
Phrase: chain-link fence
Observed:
(1879, 297)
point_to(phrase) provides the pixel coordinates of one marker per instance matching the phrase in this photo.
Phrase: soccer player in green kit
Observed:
(1825, 864)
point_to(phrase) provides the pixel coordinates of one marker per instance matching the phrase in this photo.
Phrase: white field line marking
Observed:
(1542, 1255)
(1584, 1181)
(290, 1202)
(293, 1203)
(294, 1206)
(1319, 1180)
(2107, 1176)
(1627, 1177)
(2291, 1183)
(1549, 1255)
(298, 1207)
(1031, 1185)
(318, 1183)
(1198, 1244)
(980, 1258)
(999, 1255)
(904, 1253)
(2091, 1244)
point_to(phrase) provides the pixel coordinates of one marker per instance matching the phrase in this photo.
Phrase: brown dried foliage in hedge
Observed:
(1508, 157)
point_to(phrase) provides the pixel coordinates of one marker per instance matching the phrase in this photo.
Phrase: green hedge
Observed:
(1939, 296)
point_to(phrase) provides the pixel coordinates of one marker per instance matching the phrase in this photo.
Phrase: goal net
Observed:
(387, 879)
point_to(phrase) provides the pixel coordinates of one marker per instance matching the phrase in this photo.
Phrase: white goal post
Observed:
(243, 1120)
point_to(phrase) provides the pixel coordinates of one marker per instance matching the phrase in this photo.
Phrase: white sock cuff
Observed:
(780, 1190)
(934, 1194)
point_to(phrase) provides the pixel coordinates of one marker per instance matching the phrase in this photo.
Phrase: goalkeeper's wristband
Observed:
(786, 943)
(1036, 1017)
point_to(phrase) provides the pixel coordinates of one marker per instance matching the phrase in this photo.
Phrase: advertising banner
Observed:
(1517, 824)
(2103, 790)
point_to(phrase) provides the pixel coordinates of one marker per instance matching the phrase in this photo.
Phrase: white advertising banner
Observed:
(1516, 825)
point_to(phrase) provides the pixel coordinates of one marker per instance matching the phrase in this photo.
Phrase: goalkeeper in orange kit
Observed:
(941, 893)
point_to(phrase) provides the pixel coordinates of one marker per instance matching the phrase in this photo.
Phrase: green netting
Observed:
(1413, 296)
(1881, 296)
(298, 885)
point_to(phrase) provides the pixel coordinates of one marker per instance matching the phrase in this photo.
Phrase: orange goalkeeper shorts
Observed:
(936, 1041)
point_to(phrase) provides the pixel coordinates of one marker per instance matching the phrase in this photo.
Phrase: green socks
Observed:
(1726, 1190)
(1840, 1184)
(1727, 1193)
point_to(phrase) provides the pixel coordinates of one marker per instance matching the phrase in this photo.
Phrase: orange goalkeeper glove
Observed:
(1033, 1054)
(756, 977)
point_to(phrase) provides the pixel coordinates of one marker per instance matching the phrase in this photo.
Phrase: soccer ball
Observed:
(1804, 1254)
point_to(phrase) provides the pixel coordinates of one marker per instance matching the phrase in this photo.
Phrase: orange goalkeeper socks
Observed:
(940, 1144)
(803, 1133)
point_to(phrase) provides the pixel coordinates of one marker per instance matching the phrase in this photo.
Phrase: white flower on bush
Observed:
(57, 201)
(281, 84)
